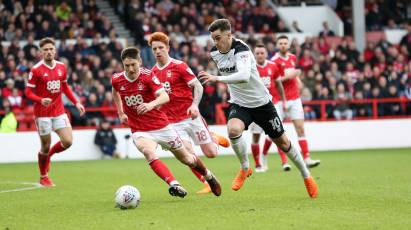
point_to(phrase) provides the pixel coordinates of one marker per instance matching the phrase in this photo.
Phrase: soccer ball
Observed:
(127, 197)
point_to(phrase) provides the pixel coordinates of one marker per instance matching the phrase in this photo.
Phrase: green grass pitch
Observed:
(368, 189)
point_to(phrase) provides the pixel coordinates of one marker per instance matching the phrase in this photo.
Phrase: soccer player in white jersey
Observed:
(286, 62)
(250, 102)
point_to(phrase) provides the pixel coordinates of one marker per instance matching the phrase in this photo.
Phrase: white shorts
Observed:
(255, 129)
(294, 107)
(167, 137)
(46, 124)
(194, 130)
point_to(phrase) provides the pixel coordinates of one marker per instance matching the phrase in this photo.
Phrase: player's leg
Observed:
(255, 146)
(268, 119)
(183, 129)
(281, 114)
(148, 147)
(194, 162)
(61, 125)
(294, 154)
(44, 130)
(239, 120)
(169, 139)
(43, 160)
(200, 177)
(297, 116)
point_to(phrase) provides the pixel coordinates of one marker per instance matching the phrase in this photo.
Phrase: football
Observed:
(127, 197)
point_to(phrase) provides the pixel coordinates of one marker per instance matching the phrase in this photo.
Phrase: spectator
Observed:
(106, 140)
(296, 28)
(326, 31)
(309, 113)
(9, 122)
(342, 109)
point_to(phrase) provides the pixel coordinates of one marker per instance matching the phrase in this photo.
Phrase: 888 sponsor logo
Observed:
(53, 86)
(134, 100)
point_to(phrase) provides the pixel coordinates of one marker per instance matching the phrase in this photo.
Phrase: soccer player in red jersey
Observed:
(138, 94)
(289, 77)
(182, 110)
(270, 75)
(47, 81)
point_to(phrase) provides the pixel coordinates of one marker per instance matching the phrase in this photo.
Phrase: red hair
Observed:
(159, 37)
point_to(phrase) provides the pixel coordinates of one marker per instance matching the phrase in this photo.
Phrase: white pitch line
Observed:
(34, 186)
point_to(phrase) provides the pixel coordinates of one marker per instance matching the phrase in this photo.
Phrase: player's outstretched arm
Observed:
(67, 91)
(290, 74)
(243, 74)
(161, 99)
(197, 95)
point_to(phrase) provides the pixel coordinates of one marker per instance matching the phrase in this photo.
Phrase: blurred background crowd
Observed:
(333, 68)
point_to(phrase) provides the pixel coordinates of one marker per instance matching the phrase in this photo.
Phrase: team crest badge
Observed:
(156, 81)
(269, 71)
(168, 73)
(59, 73)
(140, 86)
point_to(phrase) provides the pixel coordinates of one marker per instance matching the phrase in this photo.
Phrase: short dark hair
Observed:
(45, 41)
(260, 45)
(282, 37)
(220, 24)
(130, 52)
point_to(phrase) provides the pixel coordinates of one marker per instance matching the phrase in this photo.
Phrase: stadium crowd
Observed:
(331, 71)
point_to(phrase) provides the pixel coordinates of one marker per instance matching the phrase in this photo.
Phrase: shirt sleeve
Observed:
(187, 74)
(31, 82)
(275, 71)
(155, 85)
(243, 74)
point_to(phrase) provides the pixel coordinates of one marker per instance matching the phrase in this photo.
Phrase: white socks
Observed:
(240, 149)
(295, 156)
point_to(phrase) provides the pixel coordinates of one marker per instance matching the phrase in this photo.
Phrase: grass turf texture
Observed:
(357, 190)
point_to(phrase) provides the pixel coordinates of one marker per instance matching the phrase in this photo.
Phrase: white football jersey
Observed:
(249, 91)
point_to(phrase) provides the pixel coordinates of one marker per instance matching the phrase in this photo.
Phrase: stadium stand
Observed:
(338, 80)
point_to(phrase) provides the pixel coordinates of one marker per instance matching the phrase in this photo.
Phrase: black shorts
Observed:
(265, 116)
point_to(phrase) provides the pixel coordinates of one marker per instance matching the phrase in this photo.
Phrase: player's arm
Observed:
(119, 105)
(281, 91)
(30, 85)
(67, 91)
(161, 98)
(290, 74)
(197, 95)
(243, 74)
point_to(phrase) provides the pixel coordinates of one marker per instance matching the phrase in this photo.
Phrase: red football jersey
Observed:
(47, 82)
(269, 73)
(143, 89)
(290, 86)
(176, 77)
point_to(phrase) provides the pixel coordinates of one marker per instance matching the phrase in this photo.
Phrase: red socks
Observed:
(283, 156)
(267, 145)
(304, 147)
(162, 171)
(198, 175)
(42, 161)
(255, 149)
(57, 147)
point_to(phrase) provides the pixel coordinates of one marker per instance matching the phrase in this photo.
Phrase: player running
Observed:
(185, 93)
(250, 102)
(47, 81)
(293, 108)
(270, 76)
(138, 94)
